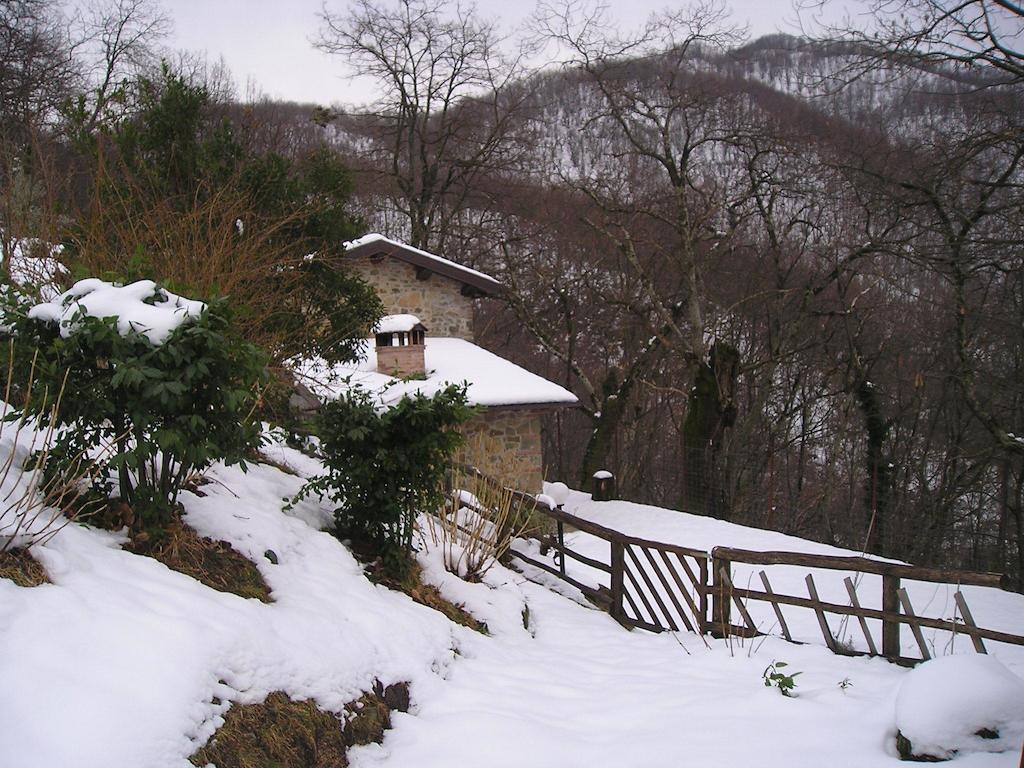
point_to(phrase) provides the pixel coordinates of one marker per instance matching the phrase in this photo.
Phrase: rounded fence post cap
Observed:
(559, 492)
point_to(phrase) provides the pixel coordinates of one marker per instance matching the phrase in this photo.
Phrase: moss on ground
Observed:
(20, 567)
(213, 563)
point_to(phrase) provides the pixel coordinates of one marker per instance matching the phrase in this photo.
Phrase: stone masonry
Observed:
(505, 444)
(502, 442)
(437, 301)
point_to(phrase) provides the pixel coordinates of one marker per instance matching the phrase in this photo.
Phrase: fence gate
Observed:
(658, 586)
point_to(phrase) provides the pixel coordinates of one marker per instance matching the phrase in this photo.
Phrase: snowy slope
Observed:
(117, 662)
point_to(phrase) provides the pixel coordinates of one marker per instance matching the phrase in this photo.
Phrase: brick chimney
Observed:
(400, 343)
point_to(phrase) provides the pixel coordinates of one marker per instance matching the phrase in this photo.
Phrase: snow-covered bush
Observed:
(958, 704)
(159, 380)
(384, 466)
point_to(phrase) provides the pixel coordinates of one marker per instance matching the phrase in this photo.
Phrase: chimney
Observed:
(400, 343)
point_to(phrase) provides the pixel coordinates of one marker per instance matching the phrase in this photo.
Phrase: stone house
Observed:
(426, 343)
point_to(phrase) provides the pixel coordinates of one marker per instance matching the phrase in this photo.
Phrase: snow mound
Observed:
(944, 704)
(396, 323)
(141, 307)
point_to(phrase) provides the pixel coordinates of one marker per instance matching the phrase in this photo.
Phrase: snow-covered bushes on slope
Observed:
(160, 380)
(954, 705)
(383, 466)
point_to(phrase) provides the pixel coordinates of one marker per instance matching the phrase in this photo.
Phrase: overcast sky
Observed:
(267, 42)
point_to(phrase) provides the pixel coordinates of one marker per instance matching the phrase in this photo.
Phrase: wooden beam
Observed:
(961, 603)
(721, 610)
(891, 605)
(864, 565)
(914, 626)
(830, 641)
(617, 566)
(852, 591)
(776, 607)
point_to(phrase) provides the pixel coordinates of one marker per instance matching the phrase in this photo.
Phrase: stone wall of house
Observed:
(437, 301)
(506, 445)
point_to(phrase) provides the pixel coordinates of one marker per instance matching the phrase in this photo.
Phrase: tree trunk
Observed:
(606, 425)
(710, 412)
(878, 487)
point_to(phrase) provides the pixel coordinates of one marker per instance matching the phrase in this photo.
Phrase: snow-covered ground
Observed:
(118, 662)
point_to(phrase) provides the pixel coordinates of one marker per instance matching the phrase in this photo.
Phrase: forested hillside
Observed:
(784, 276)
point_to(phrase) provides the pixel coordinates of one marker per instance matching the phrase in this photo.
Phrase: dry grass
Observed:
(213, 563)
(428, 595)
(197, 246)
(474, 529)
(38, 505)
(277, 733)
(366, 719)
(283, 733)
(21, 568)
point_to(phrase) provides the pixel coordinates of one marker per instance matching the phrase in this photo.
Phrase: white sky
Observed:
(266, 43)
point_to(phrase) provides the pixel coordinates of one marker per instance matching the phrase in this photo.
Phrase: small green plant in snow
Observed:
(781, 680)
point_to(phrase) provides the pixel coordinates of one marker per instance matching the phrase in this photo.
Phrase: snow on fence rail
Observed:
(660, 586)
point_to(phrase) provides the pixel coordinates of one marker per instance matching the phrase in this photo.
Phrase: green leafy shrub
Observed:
(162, 410)
(774, 677)
(383, 466)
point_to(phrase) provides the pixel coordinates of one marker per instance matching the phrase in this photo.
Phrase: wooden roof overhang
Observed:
(474, 284)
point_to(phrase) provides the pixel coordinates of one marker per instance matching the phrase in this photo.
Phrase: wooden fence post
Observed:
(705, 625)
(618, 565)
(721, 605)
(891, 629)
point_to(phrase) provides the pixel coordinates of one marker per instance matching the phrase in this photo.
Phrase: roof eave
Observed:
(547, 406)
(486, 286)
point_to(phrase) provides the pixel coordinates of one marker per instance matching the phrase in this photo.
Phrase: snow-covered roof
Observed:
(397, 323)
(492, 381)
(140, 307)
(375, 243)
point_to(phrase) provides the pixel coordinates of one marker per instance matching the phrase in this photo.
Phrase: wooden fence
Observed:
(896, 608)
(659, 586)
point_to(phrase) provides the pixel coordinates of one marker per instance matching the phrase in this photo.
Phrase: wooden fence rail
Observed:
(662, 586)
(896, 608)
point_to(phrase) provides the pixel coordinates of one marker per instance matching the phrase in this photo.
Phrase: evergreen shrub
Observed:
(384, 465)
(161, 411)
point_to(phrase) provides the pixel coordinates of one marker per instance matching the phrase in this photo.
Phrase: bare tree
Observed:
(115, 39)
(658, 126)
(983, 37)
(57, 77)
(446, 105)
